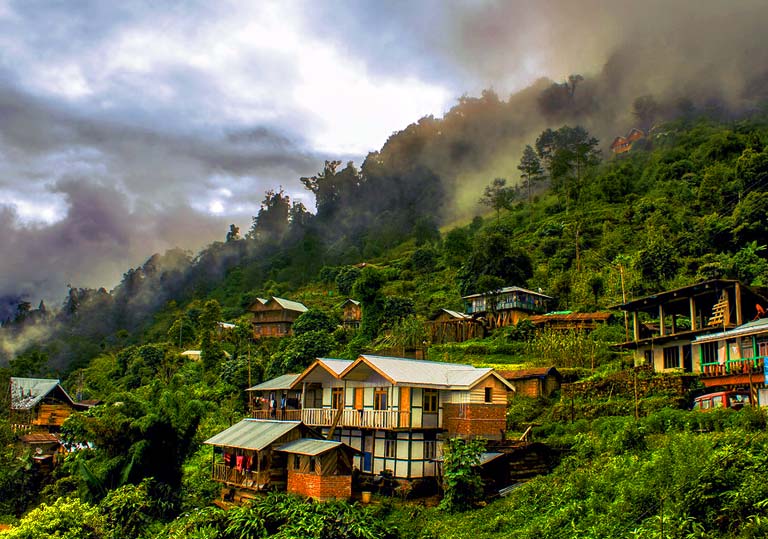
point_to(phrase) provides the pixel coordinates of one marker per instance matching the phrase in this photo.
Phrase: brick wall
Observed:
(320, 487)
(486, 420)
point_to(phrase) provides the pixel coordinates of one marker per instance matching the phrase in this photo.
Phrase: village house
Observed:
(452, 326)
(665, 325)
(274, 317)
(506, 306)
(622, 145)
(735, 359)
(259, 454)
(395, 411)
(351, 314)
(536, 382)
(40, 404)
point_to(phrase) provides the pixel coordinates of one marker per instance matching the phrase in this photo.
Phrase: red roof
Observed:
(39, 438)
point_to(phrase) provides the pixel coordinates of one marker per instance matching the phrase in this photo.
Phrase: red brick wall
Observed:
(486, 420)
(320, 487)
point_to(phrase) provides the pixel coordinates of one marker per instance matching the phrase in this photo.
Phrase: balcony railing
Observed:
(733, 366)
(240, 478)
(371, 419)
(283, 415)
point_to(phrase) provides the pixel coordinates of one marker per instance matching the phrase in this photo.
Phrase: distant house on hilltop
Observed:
(274, 317)
(352, 313)
(536, 382)
(506, 306)
(624, 144)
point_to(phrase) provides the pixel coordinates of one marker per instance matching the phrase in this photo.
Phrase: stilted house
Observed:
(665, 325)
(570, 321)
(256, 455)
(451, 326)
(40, 404)
(351, 314)
(274, 317)
(506, 306)
(534, 383)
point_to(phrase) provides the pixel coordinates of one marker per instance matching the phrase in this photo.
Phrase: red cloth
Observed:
(240, 462)
(227, 459)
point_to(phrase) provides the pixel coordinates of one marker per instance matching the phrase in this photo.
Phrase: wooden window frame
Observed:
(431, 401)
(380, 394)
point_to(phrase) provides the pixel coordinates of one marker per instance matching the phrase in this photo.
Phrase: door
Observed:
(404, 407)
(359, 398)
(687, 358)
(368, 452)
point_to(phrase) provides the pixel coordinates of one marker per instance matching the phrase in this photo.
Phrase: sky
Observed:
(127, 128)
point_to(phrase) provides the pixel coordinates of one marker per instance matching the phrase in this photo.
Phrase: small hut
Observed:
(319, 469)
(535, 383)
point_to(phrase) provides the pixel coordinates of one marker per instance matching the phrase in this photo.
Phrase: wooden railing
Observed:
(287, 415)
(371, 419)
(233, 476)
(733, 366)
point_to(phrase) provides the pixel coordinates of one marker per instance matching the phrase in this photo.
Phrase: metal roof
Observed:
(505, 290)
(27, 392)
(336, 365)
(281, 382)
(455, 314)
(255, 434)
(289, 305)
(750, 328)
(413, 372)
(349, 300)
(309, 446)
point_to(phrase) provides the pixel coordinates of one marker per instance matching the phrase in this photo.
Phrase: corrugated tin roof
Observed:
(281, 382)
(427, 373)
(254, 434)
(505, 290)
(455, 314)
(309, 446)
(27, 392)
(39, 438)
(349, 300)
(335, 365)
(290, 305)
(755, 326)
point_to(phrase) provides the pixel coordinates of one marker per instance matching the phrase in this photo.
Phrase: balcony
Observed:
(239, 478)
(362, 419)
(735, 368)
(280, 415)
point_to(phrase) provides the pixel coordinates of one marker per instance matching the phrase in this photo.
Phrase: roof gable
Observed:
(26, 393)
(314, 447)
(332, 366)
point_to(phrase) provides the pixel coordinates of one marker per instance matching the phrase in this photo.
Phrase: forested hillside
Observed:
(686, 203)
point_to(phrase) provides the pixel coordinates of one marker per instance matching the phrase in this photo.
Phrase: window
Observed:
(717, 401)
(708, 352)
(648, 354)
(430, 446)
(672, 357)
(430, 400)
(297, 462)
(747, 350)
(488, 394)
(390, 445)
(337, 398)
(380, 398)
(762, 346)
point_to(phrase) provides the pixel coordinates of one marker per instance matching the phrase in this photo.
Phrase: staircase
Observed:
(720, 312)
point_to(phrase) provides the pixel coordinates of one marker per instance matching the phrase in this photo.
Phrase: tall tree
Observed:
(498, 196)
(530, 169)
(272, 221)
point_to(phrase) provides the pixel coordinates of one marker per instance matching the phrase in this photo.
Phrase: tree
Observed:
(313, 320)
(493, 254)
(462, 484)
(498, 196)
(233, 234)
(273, 219)
(530, 169)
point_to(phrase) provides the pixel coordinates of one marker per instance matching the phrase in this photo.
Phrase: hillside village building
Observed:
(388, 414)
(40, 404)
(351, 314)
(622, 145)
(274, 317)
(665, 325)
(506, 306)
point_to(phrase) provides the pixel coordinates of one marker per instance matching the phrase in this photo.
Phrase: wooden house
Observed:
(451, 326)
(506, 306)
(396, 411)
(735, 359)
(534, 383)
(256, 454)
(569, 321)
(40, 404)
(268, 398)
(351, 314)
(622, 145)
(664, 325)
(274, 317)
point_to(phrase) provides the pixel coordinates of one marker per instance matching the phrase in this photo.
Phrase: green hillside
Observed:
(687, 203)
